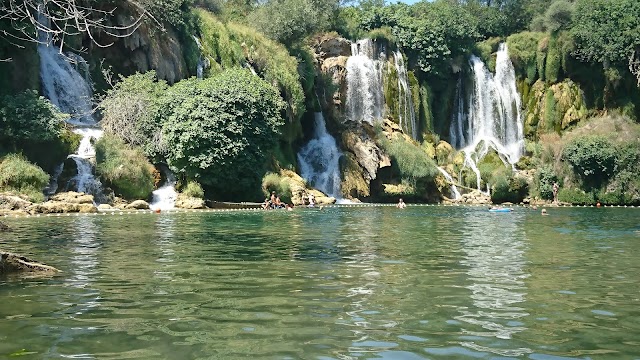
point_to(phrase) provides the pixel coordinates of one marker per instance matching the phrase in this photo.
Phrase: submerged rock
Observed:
(13, 263)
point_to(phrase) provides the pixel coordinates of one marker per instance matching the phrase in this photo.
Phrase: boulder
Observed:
(138, 205)
(73, 197)
(11, 202)
(187, 202)
(475, 198)
(57, 207)
(105, 207)
(328, 47)
(13, 263)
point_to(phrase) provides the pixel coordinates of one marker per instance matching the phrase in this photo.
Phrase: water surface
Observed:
(341, 283)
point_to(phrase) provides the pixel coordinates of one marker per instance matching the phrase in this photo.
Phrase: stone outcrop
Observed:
(11, 263)
(57, 207)
(553, 108)
(187, 202)
(331, 47)
(73, 197)
(300, 192)
(138, 205)
(11, 202)
(473, 198)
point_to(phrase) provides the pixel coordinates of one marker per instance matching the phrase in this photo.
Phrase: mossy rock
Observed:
(444, 151)
(354, 183)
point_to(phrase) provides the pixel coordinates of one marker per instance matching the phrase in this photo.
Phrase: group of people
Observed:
(274, 202)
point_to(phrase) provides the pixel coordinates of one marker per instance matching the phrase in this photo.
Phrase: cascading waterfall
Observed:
(407, 112)
(203, 62)
(365, 99)
(164, 198)
(69, 90)
(455, 194)
(492, 119)
(319, 160)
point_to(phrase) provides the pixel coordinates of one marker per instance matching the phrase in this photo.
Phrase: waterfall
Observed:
(319, 160)
(203, 62)
(406, 111)
(491, 119)
(70, 91)
(164, 198)
(455, 194)
(365, 100)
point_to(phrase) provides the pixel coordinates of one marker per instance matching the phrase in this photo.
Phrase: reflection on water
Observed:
(494, 254)
(342, 283)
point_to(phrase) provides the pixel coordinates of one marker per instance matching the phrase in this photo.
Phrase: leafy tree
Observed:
(593, 158)
(607, 31)
(129, 111)
(558, 16)
(290, 21)
(220, 130)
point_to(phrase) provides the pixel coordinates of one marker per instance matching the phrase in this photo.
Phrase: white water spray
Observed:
(492, 119)
(365, 99)
(407, 112)
(164, 198)
(319, 160)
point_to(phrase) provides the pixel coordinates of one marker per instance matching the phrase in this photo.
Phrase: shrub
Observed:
(220, 130)
(593, 159)
(124, 168)
(544, 179)
(412, 161)
(575, 197)
(509, 189)
(559, 15)
(18, 175)
(279, 184)
(193, 189)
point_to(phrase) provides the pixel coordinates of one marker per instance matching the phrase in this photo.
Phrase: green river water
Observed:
(342, 283)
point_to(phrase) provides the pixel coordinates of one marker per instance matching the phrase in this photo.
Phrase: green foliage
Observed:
(593, 159)
(124, 168)
(18, 175)
(509, 189)
(280, 184)
(553, 61)
(384, 34)
(550, 111)
(544, 179)
(411, 160)
(541, 56)
(522, 51)
(575, 196)
(233, 45)
(193, 189)
(290, 21)
(435, 33)
(129, 111)
(606, 31)
(559, 15)
(219, 130)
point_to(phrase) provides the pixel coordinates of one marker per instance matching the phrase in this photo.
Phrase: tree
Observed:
(220, 130)
(593, 158)
(607, 31)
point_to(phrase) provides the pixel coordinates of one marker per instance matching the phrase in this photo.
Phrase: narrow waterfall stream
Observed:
(491, 118)
(164, 198)
(65, 86)
(455, 194)
(407, 112)
(365, 98)
(319, 160)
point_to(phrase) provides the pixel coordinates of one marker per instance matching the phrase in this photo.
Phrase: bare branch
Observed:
(634, 64)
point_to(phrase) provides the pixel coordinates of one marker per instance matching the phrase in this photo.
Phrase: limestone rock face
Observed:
(336, 69)
(73, 197)
(329, 47)
(568, 102)
(186, 202)
(14, 263)
(138, 205)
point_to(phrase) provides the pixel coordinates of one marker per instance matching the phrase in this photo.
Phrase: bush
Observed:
(545, 177)
(280, 184)
(219, 130)
(559, 15)
(509, 189)
(193, 189)
(575, 197)
(18, 175)
(124, 168)
(593, 159)
(412, 161)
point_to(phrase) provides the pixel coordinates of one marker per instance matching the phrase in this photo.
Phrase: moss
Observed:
(486, 51)
(541, 56)
(424, 110)
(392, 92)
(523, 48)
(550, 112)
(353, 184)
(553, 61)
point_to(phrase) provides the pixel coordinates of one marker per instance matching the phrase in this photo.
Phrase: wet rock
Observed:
(57, 207)
(105, 207)
(13, 263)
(328, 47)
(11, 202)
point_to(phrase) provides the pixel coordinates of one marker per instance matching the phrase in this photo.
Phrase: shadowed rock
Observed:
(11, 263)
(4, 227)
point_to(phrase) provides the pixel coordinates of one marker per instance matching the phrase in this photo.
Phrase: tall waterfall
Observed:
(407, 111)
(365, 99)
(65, 86)
(319, 160)
(490, 117)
